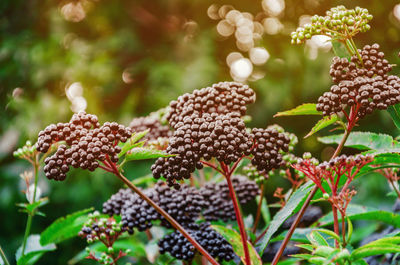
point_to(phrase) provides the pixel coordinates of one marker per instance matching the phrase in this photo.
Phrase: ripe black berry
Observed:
(180, 248)
(86, 144)
(220, 204)
(365, 85)
(156, 129)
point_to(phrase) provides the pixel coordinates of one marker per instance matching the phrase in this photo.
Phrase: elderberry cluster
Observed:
(365, 85)
(207, 124)
(180, 248)
(86, 144)
(266, 152)
(220, 204)
(184, 205)
(156, 129)
(337, 22)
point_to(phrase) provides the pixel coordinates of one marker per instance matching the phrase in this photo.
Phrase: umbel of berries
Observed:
(87, 144)
(180, 248)
(208, 125)
(363, 86)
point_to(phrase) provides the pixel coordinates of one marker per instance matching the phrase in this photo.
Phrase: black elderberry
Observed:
(86, 143)
(180, 248)
(364, 84)
(220, 204)
(156, 129)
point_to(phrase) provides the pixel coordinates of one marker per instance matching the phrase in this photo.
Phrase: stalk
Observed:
(4, 257)
(335, 224)
(239, 219)
(169, 218)
(259, 208)
(30, 216)
(309, 198)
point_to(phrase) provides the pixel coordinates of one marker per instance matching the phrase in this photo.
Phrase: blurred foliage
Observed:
(133, 57)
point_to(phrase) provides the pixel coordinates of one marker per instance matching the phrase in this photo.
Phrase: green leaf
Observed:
(317, 239)
(32, 207)
(33, 250)
(359, 212)
(329, 233)
(322, 123)
(142, 153)
(302, 256)
(132, 142)
(340, 50)
(363, 141)
(349, 230)
(306, 247)
(394, 112)
(64, 227)
(386, 240)
(359, 262)
(304, 109)
(372, 250)
(292, 206)
(234, 239)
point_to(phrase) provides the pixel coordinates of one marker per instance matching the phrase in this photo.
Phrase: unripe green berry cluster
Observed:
(28, 150)
(338, 22)
(106, 229)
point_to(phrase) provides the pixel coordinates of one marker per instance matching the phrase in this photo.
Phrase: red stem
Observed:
(335, 224)
(169, 218)
(239, 219)
(212, 166)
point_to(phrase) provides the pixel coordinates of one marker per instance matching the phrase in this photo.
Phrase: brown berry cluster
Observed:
(269, 143)
(86, 144)
(180, 248)
(365, 85)
(220, 204)
(221, 98)
(156, 129)
(184, 205)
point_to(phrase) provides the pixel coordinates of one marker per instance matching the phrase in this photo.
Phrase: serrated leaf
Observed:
(64, 228)
(302, 256)
(359, 212)
(322, 123)
(292, 206)
(363, 141)
(142, 153)
(367, 251)
(340, 50)
(394, 112)
(235, 240)
(381, 160)
(317, 239)
(33, 250)
(132, 142)
(304, 109)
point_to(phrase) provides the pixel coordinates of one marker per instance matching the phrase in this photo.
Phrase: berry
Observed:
(365, 85)
(156, 129)
(184, 205)
(86, 144)
(268, 144)
(114, 205)
(180, 248)
(220, 204)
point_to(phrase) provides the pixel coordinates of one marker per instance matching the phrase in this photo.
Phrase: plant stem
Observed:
(343, 230)
(259, 208)
(4, 257)
(30, 215)
(395, 188)
(335, 224)
(294, 226)
(169, 218)
(239, 219)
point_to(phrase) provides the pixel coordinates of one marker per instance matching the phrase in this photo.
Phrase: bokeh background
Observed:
(121, 59)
